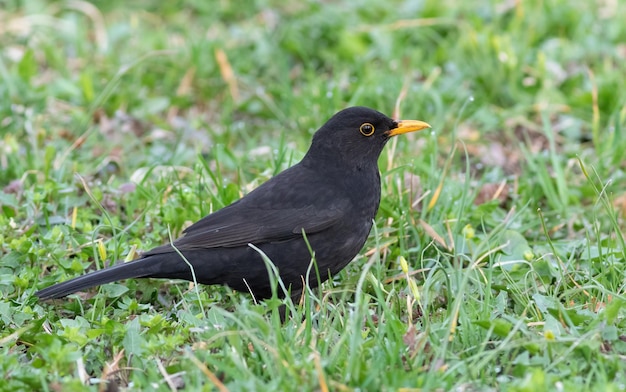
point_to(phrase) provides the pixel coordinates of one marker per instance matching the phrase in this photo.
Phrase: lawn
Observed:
(497, 259)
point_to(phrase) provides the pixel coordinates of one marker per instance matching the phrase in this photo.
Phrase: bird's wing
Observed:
(231, 227)
(273, 212)
(240, 226)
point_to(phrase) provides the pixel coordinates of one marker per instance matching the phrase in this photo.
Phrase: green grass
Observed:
(118, 127)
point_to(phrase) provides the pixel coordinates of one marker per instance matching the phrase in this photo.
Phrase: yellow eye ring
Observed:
(367, 129)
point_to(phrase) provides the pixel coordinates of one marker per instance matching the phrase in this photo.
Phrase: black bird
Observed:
(332, 195)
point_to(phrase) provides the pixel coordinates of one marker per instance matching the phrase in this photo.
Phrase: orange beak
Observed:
(406, 126)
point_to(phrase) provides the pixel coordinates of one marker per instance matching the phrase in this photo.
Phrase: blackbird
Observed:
(326, 202)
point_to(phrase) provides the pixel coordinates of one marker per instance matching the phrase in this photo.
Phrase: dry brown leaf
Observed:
(492, 191)
(433, 234)
(227, 73)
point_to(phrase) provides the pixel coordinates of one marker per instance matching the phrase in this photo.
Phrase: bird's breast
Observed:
(362, 189)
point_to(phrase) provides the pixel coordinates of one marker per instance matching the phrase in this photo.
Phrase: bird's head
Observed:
(357, 136)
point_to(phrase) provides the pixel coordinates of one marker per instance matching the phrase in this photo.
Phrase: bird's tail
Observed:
(139, 268)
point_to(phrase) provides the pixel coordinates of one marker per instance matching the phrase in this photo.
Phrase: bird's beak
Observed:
(406, 126)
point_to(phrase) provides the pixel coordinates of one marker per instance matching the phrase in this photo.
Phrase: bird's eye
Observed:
(367, 129)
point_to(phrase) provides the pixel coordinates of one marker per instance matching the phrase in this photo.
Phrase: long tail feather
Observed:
(134, 269)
